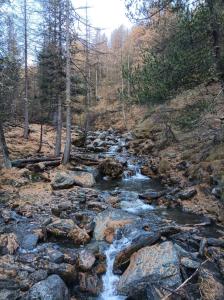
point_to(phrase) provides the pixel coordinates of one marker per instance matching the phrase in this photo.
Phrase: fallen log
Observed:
(39, 167)
(84, 160)
(21, 163)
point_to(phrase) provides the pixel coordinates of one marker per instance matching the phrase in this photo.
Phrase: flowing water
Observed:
(109, 279)
(132, 183)
(129, 187)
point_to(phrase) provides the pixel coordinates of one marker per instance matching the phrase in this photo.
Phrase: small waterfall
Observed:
(109, 279)
(134, 172)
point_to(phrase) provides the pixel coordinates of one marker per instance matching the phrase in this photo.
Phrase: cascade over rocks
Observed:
(76, 234)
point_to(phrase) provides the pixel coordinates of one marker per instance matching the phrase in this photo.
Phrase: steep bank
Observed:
(183, 143)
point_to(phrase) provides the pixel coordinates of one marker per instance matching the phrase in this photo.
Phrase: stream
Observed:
(130, 186)
(132, 183)
(41, 243)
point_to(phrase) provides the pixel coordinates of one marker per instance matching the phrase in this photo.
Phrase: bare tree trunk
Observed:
(59, 100)
(129, 87)
(26, 102)
(41, 137)
(68, 89)
(4, 148)
(216, 7)
(122, 91)
(59, 128)
(87, 73)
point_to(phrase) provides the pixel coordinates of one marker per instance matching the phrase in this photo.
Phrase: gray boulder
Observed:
(29, 242)
(53, 288)
(62, 180)
(150, 265)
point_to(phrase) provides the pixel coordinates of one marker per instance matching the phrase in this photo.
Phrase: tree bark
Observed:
(4, 148)
(59, 101)
(59, 128)
(67, 149)
(26, 102)
(41, 137)
(216, 7)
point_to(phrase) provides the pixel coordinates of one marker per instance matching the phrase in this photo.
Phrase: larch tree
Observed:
(67, 149)
(26, 100)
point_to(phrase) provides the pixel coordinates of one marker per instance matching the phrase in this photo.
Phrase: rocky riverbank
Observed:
(99, 229)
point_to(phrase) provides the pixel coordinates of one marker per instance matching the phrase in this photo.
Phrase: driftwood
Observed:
(21, 163)
(185, 282)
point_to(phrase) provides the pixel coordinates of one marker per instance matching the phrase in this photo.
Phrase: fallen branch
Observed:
(21, 163)
(185, 282)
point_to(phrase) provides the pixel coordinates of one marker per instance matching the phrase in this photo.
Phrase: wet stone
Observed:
(189, 263)
(90, 284)
(38, 275)
(53, 288)
(86, 260)
(6, 294)
(29, 242)
(55, 256)
(158, 263)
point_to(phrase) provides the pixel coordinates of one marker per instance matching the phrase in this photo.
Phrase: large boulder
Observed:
(111, 168)
(67, 229)
(86, 260)
(65, 180)
(79, 236)
(150, 265)
(84, 179)
(142, 240)
(78, 139)
(60, 227)
(108, 221)
(90, 284)
(53, 288)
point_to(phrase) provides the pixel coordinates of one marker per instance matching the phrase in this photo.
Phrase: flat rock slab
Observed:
(153, 264)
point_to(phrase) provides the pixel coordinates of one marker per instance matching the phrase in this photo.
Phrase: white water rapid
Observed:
(109, 279)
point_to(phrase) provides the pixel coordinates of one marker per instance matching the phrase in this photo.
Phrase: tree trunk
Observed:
(41, 138)
(3, 146)
(59, 128)
(26, 102)
(21, 163)
(216, 8)
(68, 89)
(87, 73)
